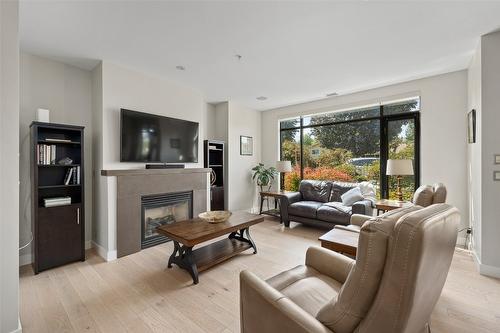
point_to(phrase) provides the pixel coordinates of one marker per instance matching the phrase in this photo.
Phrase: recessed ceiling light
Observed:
(262, 98)
(332, 94)
(181, 68)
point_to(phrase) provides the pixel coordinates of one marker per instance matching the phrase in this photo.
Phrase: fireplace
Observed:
(161, 209)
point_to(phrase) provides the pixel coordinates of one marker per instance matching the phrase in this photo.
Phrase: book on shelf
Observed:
(57, 201)
(67, 179)
(46, 154)
(72, 176)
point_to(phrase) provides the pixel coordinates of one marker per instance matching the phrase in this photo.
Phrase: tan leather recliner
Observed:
(424, 196)
(427, 195)
(393, 285)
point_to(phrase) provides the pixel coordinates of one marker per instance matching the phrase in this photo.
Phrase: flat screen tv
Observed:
(150, 138)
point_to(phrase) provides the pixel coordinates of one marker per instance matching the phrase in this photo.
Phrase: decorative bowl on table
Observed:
(215, 216)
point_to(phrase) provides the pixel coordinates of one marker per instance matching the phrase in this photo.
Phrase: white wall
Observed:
(443, 128)
(231, 121)
(99, 234)
(483, 191)
(118, 87)
(474, 153)
(209, 120)
(9, 166)
(490, 145)
(66, 91)
(126, 88)
(242, 193)
(220, 131)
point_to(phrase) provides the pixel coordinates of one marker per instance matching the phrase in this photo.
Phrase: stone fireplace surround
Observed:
(132, 185)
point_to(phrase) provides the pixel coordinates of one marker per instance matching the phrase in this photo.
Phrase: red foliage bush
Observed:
(292, 179)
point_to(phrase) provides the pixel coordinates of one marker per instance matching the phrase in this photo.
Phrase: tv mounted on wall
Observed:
(150, 138)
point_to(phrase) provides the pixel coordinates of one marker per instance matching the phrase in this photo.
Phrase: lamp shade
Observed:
(283, 166)
(399, 167)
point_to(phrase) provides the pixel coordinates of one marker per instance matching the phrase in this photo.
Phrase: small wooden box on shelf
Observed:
(57, 192)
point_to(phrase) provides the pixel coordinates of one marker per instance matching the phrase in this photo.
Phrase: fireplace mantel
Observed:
(140, 172)
(123, 190)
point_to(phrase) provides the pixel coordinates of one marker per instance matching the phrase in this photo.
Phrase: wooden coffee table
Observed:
(340, 240)
(189, 233)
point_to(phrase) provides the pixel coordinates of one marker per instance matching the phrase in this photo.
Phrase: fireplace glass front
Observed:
(161, 209)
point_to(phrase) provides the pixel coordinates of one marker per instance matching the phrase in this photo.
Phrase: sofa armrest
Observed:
(286, 200)
(364, 207)
(350, 228)
(330, 263)
(291, 197)
(359, 219)
(263, 309)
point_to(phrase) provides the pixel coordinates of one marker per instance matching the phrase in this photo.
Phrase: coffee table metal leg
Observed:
(190, 264)
(183, 257)
(250, 240)
(172, 256)
(243, 235)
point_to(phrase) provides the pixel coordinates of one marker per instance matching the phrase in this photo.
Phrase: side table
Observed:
(341, 241)
(277, 196)
(386, 205)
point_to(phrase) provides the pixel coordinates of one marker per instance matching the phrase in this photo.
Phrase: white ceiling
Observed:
(291, 51)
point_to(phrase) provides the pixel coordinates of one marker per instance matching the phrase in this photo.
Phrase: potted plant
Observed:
(264, 176)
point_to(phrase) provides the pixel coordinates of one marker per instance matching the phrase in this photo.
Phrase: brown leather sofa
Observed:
(319, 203)
(393, 285)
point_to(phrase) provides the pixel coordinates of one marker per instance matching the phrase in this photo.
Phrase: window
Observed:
(353, 145)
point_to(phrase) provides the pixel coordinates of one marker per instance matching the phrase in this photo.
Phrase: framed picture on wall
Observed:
(246, 145)
(471, 126)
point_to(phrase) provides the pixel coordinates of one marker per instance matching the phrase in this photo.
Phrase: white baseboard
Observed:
(461, 242)
(103, 253)
(19, 328)
(486, 270)
(26, 259)
(254, 210)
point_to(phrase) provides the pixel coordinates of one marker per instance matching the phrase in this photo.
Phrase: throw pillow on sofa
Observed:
(352, 196)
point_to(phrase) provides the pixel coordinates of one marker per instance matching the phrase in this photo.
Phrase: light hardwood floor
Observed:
(138, 294)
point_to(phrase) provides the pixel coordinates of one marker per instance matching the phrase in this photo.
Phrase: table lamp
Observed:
(399, 168)
(282, 167)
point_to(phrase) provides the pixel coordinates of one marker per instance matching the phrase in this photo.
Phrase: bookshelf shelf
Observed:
(49, 142)
(57, 165)
(58, 231)
(41, 187)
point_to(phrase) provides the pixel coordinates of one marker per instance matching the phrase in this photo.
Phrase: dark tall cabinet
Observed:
(59, 230)
(214, 159)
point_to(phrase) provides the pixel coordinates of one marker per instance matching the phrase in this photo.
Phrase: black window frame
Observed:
(384, 144)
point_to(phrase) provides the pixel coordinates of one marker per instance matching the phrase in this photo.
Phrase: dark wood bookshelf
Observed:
(214, 159)
(58, 232)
